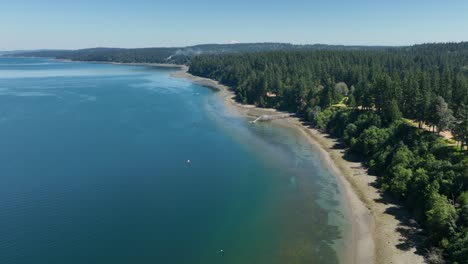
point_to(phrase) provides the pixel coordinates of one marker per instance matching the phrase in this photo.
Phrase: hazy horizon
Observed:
(230, 43)
(27, 24)
(199, 44)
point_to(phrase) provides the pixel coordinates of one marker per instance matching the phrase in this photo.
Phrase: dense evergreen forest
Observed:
(377, 101)
(175, 55)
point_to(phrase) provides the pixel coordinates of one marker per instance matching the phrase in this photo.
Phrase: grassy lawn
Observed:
(342, 103)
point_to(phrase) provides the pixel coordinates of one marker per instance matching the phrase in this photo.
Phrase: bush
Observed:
(370, 141)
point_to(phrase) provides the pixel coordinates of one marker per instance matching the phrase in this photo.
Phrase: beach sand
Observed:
(382, 231)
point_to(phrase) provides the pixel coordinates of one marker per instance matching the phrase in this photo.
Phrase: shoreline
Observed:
(160, 65)
(379, 226)
(374, 234)
(362, 243)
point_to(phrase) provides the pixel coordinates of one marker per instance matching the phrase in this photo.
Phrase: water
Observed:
(94, 169)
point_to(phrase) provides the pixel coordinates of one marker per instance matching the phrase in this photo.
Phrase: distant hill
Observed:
(14, 52)
(177, 55)
(20, 52)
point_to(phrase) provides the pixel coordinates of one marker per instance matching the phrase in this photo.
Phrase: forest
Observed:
(177, 55)
(388, 106)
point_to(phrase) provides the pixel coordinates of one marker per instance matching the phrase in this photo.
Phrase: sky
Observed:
(52, 24)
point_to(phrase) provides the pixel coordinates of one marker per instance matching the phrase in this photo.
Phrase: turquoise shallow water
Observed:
(93, 169)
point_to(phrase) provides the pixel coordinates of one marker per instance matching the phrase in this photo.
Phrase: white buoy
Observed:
(188, 161)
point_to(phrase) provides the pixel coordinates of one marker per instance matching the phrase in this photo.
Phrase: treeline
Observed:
(366, 98)
(429, 86)
(181, 55)
(144, 55)
(418, 168)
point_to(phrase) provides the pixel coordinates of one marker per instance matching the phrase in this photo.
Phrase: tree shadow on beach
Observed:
(412, 236)
(411, 233)
(339, 146)
(305, 123)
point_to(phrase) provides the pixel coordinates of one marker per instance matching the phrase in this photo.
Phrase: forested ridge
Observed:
(369, 99)
(177, 55)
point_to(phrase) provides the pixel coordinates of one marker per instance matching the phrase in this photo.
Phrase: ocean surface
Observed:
(104, 163)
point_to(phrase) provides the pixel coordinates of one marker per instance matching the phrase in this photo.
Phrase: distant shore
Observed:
(161, 65)
(374, 236)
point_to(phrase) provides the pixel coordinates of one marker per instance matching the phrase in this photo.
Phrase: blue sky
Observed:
(122, 23)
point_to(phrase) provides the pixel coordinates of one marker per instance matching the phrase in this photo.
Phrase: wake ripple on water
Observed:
(26, 93)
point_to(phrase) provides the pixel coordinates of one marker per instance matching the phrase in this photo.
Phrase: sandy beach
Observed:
(382, 231)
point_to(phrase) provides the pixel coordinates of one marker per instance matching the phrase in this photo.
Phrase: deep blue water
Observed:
(93, 169)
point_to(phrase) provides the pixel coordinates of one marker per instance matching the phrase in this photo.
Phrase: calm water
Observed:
(93, 169)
